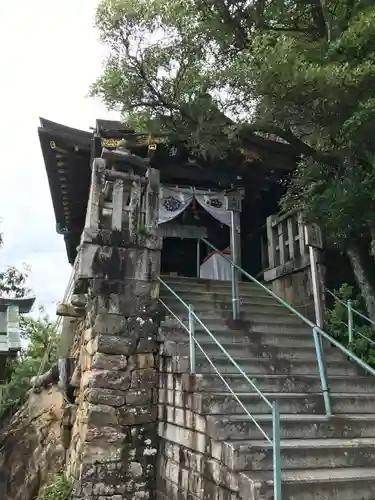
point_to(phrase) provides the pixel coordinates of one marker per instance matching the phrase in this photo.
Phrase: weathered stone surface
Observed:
(141, 326)
(32, 446)
(87, 334)
(96, 453)
(142, 361)
(105, 434)
(144, 379)
(91, 347)
(111, 324)
(136, 415)
(111, 344)
(105, 379)
(135, 296)
(109, 361)
(98, 414)
(113, 263)
(139, 397)
(109, 397)
(147, 344)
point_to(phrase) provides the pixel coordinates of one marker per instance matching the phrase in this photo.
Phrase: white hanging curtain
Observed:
(214, 204)
(173, 201)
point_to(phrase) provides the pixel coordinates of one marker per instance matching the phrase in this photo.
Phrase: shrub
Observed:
(57, 488)
(363, 332)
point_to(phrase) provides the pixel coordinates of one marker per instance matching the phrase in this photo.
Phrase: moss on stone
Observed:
(58, 488)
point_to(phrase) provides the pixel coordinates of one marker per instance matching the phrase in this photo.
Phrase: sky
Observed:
(50, 54)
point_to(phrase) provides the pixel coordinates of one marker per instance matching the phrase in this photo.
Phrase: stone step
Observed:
(309, 426)
(211, 286)
(299, 454)
(238, 350)
(224, 301)
(260, 340)
(223, 402)
(270, 366)
(222, 333)
(278, 383)
(354, 483)
(254, 366)
(250, 315)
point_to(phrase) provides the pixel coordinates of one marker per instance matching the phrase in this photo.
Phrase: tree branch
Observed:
(301, 147)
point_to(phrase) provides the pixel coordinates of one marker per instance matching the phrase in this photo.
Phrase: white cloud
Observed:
(49, 56)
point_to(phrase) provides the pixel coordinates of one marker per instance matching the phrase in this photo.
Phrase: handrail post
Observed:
(191, 340)
(235, 299)
(234, 273)
(322, 372)
(276, 451)
(198, 257)
(350, 321)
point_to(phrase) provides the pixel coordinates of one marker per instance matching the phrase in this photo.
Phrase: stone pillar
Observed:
(113, 450)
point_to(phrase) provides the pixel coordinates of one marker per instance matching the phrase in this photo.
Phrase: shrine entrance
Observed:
(188, 214)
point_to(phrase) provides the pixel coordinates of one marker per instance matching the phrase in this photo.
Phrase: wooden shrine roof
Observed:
(68, 154)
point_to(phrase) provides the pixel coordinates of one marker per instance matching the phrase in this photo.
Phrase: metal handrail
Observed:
(274, 406)
(350, 324)
(317, 331)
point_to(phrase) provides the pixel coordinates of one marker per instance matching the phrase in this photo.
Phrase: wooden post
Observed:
(280, 234)
(271, 243)
(290, 237)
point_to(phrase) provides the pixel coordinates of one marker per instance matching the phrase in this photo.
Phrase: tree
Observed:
(12, 281)
(41, 347)
(215, 72)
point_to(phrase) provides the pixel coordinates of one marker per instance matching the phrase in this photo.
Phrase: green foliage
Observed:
(37, 335)
(337, 325)
(12, 280)
(213, 73)
(58, 488)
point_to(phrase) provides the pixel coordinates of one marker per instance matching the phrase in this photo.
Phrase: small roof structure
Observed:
(24, 304)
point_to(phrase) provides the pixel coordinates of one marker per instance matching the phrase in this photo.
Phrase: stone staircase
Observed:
(211, 450)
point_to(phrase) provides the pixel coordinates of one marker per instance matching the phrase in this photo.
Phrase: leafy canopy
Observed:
(214, 72)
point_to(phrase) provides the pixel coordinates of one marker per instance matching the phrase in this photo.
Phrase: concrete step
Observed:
(224, 301)
(254, 366)
(211, 286)
(300, 454)
(354, 483)
(254, 296)
(218, 325)
(271, 366)
(279, 383)
(223, 402)
(239, 350)
(250, 315)
(261, 340)
(258, 335)
(309, 426)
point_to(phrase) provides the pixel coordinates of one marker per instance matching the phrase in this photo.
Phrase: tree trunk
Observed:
(362, 276)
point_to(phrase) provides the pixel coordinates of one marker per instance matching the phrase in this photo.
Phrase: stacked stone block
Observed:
(114, 440)
(112, 453)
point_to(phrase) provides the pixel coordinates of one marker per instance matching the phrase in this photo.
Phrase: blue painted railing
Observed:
(317, 332)
(193, 319)
(318, 335)
(351, 314)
